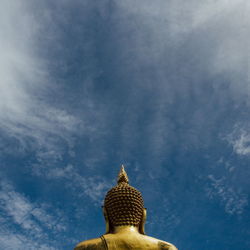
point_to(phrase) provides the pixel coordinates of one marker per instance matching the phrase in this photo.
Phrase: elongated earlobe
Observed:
(105, 214)
(143, 221)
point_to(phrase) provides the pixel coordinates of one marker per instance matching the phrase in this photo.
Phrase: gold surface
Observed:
(123, 203)
(125, 219)
(122, 176)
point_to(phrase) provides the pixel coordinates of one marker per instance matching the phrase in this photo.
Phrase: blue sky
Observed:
(160, 86)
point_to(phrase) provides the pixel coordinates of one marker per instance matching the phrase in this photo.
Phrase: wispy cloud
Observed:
(26, 113)
(234, 201)
(33, 220)
(170, 218)
(184, 63)
(15, 240)
(93, 187)
(239, 139)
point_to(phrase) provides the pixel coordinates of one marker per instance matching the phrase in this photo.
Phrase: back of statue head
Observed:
(123, 204)
(125, 217)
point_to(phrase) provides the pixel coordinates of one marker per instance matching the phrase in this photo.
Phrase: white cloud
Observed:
(242, 145)
(20, 69)
(13, 240)
(36, 223)
(25, 113)
(234, 201)
(239, 139)
(178, 18)
(94, 187)
(187, 61)
(186, 14)
(161, 27)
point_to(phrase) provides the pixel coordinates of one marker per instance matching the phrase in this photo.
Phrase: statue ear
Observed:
(105, 214)
(143, 221)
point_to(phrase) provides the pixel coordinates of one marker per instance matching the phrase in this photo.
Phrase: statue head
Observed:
(123, 205)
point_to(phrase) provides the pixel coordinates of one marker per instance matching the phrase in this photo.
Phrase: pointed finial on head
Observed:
(122, 177)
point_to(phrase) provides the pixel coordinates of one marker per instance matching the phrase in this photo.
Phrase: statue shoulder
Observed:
(92, 244)
(163, 245)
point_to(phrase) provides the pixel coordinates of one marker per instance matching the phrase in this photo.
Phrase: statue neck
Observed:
(125, 229)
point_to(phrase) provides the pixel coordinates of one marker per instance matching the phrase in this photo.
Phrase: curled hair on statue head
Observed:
(123, 203)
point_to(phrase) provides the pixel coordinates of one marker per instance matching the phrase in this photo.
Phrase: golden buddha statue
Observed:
(125, 217)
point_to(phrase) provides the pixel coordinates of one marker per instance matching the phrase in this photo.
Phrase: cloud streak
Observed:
(93, 187)
(26, 113)
(183, 64)
(235, 202)
(35, 222)
(239, 139)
